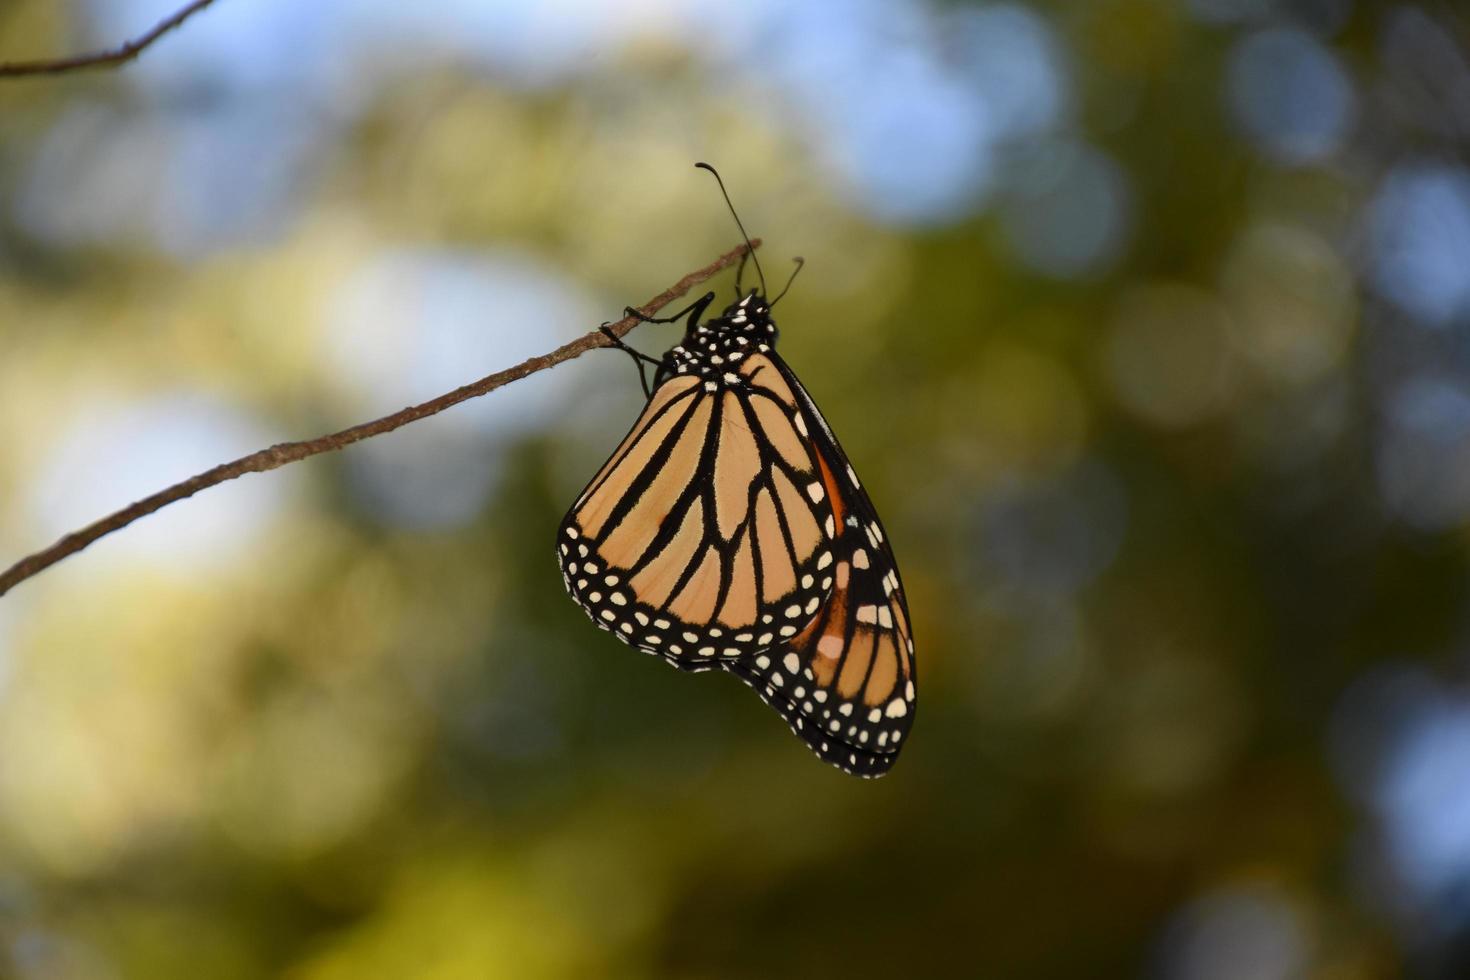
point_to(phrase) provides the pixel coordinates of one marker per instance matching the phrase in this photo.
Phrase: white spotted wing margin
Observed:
(846, 683)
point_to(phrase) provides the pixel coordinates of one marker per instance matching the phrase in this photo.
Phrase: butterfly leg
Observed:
(693, 311)
(639, 358)
(697, 308)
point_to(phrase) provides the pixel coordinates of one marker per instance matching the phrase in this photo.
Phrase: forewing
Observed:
(704, 537)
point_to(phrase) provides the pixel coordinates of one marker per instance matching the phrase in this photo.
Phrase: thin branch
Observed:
(290, 452)
(122, 54)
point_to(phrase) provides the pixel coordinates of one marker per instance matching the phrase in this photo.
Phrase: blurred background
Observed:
(1146, 323)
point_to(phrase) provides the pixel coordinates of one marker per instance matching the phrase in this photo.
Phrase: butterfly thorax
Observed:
(714, 349)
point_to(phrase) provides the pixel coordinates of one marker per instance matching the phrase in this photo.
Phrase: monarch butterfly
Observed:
(728, 531)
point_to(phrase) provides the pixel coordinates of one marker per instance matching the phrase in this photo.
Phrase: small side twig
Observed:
(110, 58)
(290, 452)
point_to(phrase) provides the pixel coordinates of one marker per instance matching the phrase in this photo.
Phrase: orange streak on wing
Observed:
(778, 577)
(902, 623)
(885, 672)
(855, 670)
(740, 602)
(695, 603)
(829, 645)
(834, 492)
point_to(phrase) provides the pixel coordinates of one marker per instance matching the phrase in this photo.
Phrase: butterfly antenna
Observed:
(800, 264)
(738, 224)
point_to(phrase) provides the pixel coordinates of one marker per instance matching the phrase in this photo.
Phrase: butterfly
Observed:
(728, 531)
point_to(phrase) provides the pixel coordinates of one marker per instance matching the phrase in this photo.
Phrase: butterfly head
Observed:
(713, 349)
(744, 328)
(748, 317)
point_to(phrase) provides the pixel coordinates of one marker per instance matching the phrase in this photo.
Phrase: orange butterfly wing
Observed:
(728, 531)
(705, 535)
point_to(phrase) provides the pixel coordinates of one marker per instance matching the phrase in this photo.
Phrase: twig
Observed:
(289, 452)
(125, 52)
